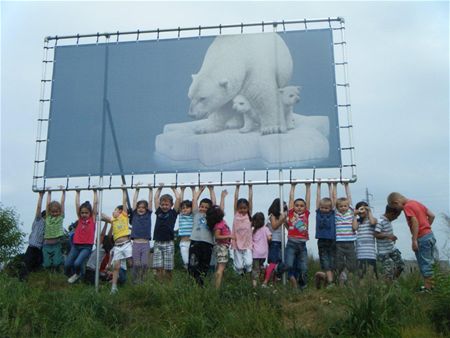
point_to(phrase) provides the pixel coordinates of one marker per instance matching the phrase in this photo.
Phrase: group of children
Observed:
(346, 237)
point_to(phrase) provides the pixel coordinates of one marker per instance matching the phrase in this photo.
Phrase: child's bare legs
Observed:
(330, 276)
(219, 274)
(159, 274)
(428, 283)
(293, 282)
(115, 276)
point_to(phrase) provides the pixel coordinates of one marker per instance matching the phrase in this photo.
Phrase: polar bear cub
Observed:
(289, 96)
(251, 120)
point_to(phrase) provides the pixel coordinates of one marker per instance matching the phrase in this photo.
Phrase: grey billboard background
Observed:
(146, 84)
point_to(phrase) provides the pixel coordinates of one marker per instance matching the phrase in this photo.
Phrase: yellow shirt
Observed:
(120, 226)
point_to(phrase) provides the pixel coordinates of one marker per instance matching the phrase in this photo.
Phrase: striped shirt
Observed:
(384, 226)
(37, 233)
(365, 241)
(185, 225)
(53, 227)
(344, 230)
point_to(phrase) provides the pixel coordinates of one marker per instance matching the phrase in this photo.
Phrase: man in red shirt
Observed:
(419, 220)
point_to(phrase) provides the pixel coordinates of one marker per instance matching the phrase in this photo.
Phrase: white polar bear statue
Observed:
(253, 65)
(289, 96)
(251, 119)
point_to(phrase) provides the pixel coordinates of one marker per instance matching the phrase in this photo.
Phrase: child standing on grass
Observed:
(202, 240)
(222, 235)
(185, 221)
(277, 217)
(345, 234)
(260, 249)
(53, 232)
(419, 220)
(121, 235)
(326, 232)
(33, 255)
(388, 255)
(364, 223)
(83, 238)
(164, 235)
(242, 232)
(141, 233)
(296, 255)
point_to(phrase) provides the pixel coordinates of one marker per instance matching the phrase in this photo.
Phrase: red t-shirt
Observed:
(85, 231)
(419, 211)
(298, 225)
(224, 230)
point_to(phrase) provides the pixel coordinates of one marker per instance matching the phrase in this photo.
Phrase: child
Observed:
(33, 255)
(166, 217)
(202, 241)
(326, 232)
(345, 235)
(364, 223)
(296, 254)
(276, 220)
(83, 238)
(222, 235)
(141, 231)
(242, 232)
(419, 220)
(390, 257)
(121, 235)
(260, 247)
(185, 221)
(53, 232)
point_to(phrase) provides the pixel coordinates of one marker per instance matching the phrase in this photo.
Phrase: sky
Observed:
(398, 54)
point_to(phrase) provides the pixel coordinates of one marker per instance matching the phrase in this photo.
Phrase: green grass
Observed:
(46, 306)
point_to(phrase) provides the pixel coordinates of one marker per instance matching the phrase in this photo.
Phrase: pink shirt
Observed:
(224, 230)
(242, 230)
(419, 211)
(261, 242)
(85, 231)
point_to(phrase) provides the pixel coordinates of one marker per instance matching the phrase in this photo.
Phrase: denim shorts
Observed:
(425, 254)
(274, 252)
(327, 254)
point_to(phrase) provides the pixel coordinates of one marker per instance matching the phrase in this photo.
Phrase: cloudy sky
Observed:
(398, 55)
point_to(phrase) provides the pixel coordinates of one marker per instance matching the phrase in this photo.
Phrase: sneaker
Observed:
(423, 289)
(73, 278)
(114, 290)
(264, 286)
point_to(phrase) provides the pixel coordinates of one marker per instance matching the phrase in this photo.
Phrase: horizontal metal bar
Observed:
(44, 100)
(340, 63)
(196, 28)
(343, 84)
(215, 184)
(340, 43)
(41, 140)
(39, 161)
(344, 105)
(348, 148)
(41, 120)
(47, 61)
(46, 80)
(348, 165)
(349, 126)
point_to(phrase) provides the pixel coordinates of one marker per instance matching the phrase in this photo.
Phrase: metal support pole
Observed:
(283, 232)
(99, 230)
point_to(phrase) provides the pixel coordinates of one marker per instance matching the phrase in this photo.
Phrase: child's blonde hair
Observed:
(326, 200)
(55, 204)
(341, 200)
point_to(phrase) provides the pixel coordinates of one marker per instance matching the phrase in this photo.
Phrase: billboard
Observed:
(226, 102)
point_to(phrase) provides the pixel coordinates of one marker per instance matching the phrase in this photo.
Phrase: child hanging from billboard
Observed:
(185, 221)
(53, 232)
(164, 234)
(242, 232)
(202, 241)
(83, 239)
(141, 232)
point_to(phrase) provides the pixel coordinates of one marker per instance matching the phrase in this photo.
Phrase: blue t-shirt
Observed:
(325, 225)
(141, 225)
(164, 225)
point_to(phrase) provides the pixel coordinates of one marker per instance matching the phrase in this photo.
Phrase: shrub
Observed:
(11, 238)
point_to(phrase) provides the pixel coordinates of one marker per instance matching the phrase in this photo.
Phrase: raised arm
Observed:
(223, 194)
(277, 222)
(77, 202)
(308, 195)
(236, 197)
(63, 200)
(136, 195)
(348, 193)
(103, 233)
(49, 200)
(250, 199)
(150, 198)
(176, 207)
(212, 194)
(39, 204)
(157, 195)
(292, 195)
(372, 220)
(318, 198)
(124, 199)
(182, 189)
(195, 196)
(333, 194)
(330, 194)
(95, 206)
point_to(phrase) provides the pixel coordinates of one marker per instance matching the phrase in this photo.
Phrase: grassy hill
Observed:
(46, 306)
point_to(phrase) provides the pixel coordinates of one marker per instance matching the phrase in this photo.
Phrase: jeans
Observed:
(76, 259)
(296, 258)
